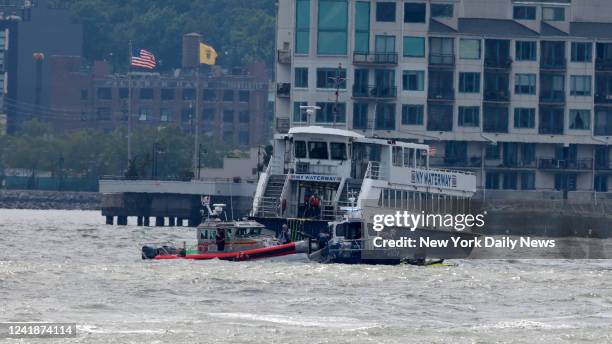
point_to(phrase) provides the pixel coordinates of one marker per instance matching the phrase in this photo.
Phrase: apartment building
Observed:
(520, 92)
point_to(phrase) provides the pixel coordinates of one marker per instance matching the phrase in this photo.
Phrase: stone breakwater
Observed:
(38, 199)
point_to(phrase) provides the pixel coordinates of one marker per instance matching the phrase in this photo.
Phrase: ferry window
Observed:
(422, 157)
(338, 151)
(408, 157)
(397, 156)
(300, 149)
(317, 150)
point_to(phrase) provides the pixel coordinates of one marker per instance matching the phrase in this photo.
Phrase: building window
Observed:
(524, 13)
(551, 120)
(189, 93)
(299, 115)
(301, 77)
(84, 94)
(228, 116)
(580, 119)
(553, 14)
(510, 180)
(414, 46)
(524, 118)
(414, 12)
(124, 93)
(525, 84)
(565, 182)
(384, 44)
(601, 183)
(362, 26)
(167, 93)
(328, 77)
(143, 115)
(492, 180)
(469, 82)
(360, 115)
(413, 80)
(526, 50)
(228, 96)
(166, 115)
(582, 51)
(333, 21)
(210, 95)
(331, 113)
(527, 180)
(603, 122)
(105, 93)
(439, 117)
(385, 11)
(580, 85)
(441, 10)
(469, 49)
(146, 93)
(302, 26)
(469, 116)
(412, 114)
(243, 96)
(495, 119)
(385, 117)
(492, 152)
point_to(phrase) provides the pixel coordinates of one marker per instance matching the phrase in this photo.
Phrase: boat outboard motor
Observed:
(149, 252)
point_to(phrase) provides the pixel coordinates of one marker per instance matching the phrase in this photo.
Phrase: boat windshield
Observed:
(349, 230)
(246, 232)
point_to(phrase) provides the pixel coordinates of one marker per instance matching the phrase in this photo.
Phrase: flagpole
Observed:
(129, 135)
(196, 148)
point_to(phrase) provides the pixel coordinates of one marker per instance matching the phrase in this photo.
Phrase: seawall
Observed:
(38, 199)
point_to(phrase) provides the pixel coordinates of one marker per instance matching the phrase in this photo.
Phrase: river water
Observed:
(68, 266)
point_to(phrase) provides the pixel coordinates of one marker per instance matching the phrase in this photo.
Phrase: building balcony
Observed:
(553, 64)
(283, 56)
(513, 164)
(557, 164)
(441, 60)
(497, 96)
(375, 59)
(499, 62)
(441, 94)
(282, 125)
(374, 92)
(602, 98)
(604, 65)
(472, 162)
(603, 165)
(552, 97)
(283, 89)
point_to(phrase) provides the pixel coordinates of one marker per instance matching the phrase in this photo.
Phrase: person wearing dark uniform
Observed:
(284, 237)
(220, 240)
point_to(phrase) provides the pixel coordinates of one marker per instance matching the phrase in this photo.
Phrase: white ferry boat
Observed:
(331, 166)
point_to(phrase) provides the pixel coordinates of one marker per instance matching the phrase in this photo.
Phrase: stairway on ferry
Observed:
(270, 201)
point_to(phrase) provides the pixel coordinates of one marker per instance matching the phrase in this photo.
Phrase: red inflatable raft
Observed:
(257, 253)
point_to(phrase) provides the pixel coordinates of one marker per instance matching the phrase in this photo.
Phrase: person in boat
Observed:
(323, 238)
(307, 195)
(220, 239)
(284, 237)
(315, 205)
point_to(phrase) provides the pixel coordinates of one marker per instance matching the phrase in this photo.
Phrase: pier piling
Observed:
(122, 220)
(109, 220)
(159, 221)
(139, 220)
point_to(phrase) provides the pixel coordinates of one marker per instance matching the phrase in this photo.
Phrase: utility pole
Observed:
(196, 143)
(129, 119)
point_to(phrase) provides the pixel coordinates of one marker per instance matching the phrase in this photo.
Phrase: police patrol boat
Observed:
(383, 176)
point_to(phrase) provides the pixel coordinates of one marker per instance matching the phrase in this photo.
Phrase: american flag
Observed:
(143, 58)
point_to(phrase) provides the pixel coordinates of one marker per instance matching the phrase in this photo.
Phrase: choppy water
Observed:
(67, 266)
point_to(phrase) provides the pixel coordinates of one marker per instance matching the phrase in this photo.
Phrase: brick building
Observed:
(233, 105)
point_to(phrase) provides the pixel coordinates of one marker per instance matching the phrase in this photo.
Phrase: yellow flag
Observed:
(208, 55)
